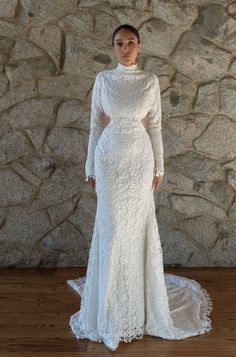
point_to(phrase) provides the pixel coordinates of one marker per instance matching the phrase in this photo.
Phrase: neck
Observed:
(127, 68)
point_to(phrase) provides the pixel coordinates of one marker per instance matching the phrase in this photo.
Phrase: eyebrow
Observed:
(130, 38)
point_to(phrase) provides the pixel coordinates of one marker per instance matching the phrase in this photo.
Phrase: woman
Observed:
(125, 293)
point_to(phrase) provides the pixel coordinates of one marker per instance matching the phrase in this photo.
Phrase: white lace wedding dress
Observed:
(125, 293)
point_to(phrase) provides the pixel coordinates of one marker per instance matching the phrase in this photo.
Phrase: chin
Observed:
(127, 60)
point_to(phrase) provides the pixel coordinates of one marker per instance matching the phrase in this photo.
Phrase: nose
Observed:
(125, 51)
(125, 46)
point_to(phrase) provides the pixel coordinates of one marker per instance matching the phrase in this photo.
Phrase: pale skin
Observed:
(126, 44)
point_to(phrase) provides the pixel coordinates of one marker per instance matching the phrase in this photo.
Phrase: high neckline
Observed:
(130, 68)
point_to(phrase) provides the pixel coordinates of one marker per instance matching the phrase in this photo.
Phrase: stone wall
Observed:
(50, 52)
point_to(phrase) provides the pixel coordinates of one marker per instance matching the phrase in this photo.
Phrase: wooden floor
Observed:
(36, 304)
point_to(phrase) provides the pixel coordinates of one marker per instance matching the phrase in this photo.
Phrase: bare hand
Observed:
(91, 182)
(156, 182)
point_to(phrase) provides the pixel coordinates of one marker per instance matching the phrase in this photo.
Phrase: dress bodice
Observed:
(126, 94)
(126, 91)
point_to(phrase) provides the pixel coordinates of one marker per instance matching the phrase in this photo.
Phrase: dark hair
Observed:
(126, 27)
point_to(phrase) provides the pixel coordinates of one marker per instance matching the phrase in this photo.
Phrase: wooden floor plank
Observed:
(36, 304)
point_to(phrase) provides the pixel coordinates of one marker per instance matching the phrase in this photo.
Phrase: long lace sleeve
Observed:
(96, 126)
(154, 129)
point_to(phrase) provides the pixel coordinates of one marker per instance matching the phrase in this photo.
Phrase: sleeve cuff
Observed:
(158, 172)
(88, 176)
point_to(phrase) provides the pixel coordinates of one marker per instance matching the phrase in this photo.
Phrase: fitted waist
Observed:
(125, 123)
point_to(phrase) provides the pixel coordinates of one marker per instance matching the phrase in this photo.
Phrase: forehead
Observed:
(129, 38)
(124, 35)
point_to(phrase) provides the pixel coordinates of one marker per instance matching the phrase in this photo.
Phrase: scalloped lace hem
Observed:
(109, 340)
(171, 332)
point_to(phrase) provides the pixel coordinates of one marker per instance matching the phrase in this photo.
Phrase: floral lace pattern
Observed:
(125, 293)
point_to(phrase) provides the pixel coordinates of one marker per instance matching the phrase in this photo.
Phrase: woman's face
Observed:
(126, 47)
